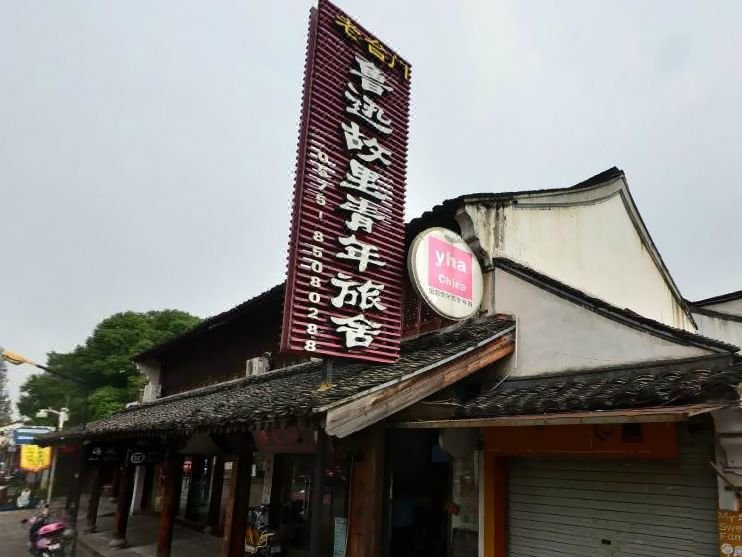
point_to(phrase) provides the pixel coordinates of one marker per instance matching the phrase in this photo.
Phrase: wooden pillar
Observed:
(495, 479)
(96, 487)
(235, 523)
(367, 496)
(315, 526)
(215, 497)
(172, 469)
(123, 500)
(195, 488)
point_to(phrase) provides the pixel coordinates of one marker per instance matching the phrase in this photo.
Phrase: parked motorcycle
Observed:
(47, 536)
(260, 539)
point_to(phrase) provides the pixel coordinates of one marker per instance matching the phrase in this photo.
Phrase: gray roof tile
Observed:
(289, 393)
(606, 391)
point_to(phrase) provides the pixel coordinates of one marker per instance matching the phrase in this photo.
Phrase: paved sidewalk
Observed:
(12, 535)
(142, 537)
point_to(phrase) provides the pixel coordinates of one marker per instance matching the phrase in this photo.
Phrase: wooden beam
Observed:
(235, 523)
(367, 410)
(631, 415)
(96, 488)
(121, 520)
(495, 478)
(317, 506)
(367, 495)
(172, 468)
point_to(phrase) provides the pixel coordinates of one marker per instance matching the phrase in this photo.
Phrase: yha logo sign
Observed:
(449, 268)
(445, 273)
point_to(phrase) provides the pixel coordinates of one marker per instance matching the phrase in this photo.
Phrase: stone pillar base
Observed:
(117, 543)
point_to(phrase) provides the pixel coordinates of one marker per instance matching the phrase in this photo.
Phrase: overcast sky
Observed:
(147, 147)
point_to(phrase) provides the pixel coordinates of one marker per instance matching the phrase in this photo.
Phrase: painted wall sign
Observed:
(144, 456)
(730, 533)
(658, 440)
(103, 453)
(445, 273)
(35, 458)
(346, 253)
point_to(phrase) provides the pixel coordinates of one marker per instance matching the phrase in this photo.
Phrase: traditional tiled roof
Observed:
(623, 315)
(294, 392)
(702, 306)
(271, 296)
(440, 215)
(446, 210)
(720, 299)
(607, 391)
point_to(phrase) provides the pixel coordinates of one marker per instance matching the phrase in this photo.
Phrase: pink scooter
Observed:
(47, 537)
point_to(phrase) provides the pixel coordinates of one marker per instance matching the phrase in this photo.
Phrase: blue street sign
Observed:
(26, 435)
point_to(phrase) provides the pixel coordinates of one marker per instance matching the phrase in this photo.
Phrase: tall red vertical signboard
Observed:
(346, 253)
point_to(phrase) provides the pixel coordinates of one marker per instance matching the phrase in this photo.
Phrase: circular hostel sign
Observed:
(445, 273)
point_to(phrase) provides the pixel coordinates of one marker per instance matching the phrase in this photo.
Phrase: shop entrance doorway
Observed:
(418, 479)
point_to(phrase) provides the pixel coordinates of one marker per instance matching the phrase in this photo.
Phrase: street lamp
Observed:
(63, 415)
(17, 359)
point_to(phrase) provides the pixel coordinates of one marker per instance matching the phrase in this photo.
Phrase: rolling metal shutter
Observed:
(602, 508)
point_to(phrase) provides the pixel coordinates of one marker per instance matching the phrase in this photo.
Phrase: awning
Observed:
(360, 393)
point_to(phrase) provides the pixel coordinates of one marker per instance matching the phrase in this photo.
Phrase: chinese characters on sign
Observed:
(35, 458)
(346, 256)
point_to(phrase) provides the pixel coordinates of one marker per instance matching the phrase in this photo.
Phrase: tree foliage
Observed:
(5, 406)
(103, 364)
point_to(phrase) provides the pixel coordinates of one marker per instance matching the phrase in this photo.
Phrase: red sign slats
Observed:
(346, 253)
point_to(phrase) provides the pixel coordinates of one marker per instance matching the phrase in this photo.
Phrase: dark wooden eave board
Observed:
(358, 412)
(629, 415)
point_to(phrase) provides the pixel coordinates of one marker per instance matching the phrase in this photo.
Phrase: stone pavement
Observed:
(142, 537)
(13, 536)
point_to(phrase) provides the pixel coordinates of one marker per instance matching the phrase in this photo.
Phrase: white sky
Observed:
(147, 147)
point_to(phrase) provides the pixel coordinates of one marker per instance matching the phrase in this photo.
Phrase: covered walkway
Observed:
(142, 537)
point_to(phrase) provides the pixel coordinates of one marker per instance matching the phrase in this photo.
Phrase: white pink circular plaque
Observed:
(445, 273)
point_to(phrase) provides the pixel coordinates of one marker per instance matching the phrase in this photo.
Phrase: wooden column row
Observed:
(96, 488)
(123, 501)
(367, 496)
(235, 523)
(172, 468)
(215, 497)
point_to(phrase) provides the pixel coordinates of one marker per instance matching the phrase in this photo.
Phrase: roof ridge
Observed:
(308, 367)
(288, 394)
(210, 322)
(214, 320)
(608, 391)
(720, 298)
(287, 371)
(645, 323)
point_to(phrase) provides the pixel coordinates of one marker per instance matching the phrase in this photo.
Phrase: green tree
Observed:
(103, 364)
(5, 406)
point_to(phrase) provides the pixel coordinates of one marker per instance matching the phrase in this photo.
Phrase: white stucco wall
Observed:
(555, 335)
(733, 307)
(720, 329)
(151, 370)
(586, 239)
